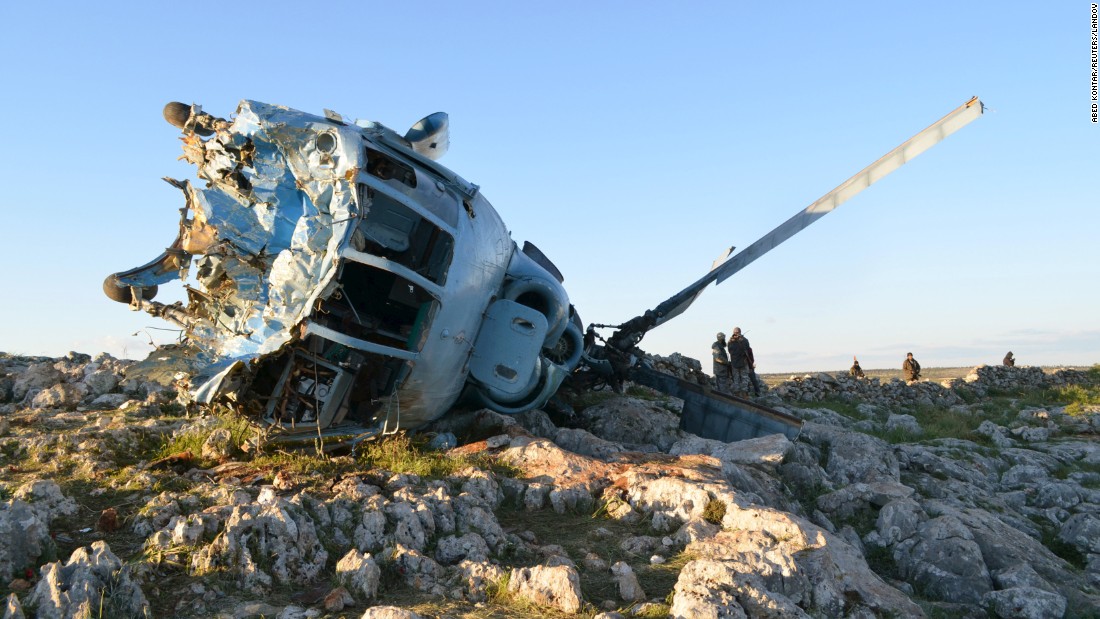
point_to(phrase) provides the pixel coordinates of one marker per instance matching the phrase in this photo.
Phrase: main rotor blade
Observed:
(929, 137)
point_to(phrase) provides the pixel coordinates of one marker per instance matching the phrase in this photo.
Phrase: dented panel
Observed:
(334, 271)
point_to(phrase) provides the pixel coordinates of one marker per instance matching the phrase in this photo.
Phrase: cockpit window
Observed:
(396, 232)
(387, 168)
(377, 306)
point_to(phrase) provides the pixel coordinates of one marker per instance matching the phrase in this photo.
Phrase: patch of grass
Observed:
(401, 453)
(240, 431)
(303, 463)
(577, 534)
(654, 611)
(1080, 396)
(1063, 471)
(658, 580)
(587, 399)
(714, 511)
(881, 561)
(863, 521)
(1066, 551)
(840, 406)
(652, 395)
(940, 422)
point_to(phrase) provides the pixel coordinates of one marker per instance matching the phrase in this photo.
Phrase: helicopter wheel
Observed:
(563, 350)
(123, 294)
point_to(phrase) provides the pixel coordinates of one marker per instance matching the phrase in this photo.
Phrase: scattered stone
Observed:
(958, 521)
(557, 587)
(359, 573)
(93, 582)
(629, 589)
(337, 600)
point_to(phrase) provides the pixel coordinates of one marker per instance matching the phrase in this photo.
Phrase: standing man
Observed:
(721, 364)
(910, 368)
(741, 363)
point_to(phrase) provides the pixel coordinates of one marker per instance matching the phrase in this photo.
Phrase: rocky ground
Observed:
(977, 497)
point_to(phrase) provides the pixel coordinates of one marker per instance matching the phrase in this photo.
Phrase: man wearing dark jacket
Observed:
(741, 363)
(910, 368)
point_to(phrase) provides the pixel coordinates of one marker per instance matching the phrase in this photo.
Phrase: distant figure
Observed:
(855, 371)
(721, 364)
(742, 377)
(1009, 360)
(589, 338)
(910, 368)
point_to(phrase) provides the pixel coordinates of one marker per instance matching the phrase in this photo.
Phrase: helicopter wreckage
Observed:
(341, 283)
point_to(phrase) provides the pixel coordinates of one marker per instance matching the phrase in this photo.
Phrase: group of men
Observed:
(910, 368)
(734, 364)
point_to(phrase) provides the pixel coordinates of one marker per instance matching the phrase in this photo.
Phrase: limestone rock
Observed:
(454, 549)
(24, 537)
(634, 422)
(93, 582)
(478, 577)
(218, 446)
(12, 609)
(389, 612)
(557, 587)
(46, 500)
(63, 395)
(629, 589)
(763, 451)
(709, 588)
(944, 560)
(1025, 603)
(359, 573)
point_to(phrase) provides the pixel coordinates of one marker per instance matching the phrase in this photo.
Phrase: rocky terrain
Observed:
(977, 497)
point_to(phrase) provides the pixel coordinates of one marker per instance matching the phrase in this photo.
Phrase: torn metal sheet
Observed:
(324, 283)
(341, 282)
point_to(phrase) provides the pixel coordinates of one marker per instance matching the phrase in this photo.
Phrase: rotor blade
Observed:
(929, 137)
(934, 134)
(682, 300)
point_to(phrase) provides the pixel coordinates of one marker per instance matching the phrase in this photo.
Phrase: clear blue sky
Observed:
(630, 141)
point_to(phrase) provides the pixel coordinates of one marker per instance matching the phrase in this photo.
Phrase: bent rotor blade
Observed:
(929, 137)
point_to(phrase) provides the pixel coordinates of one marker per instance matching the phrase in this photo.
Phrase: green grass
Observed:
(240, 431)
(1069, 552)
(650, 395)
(401, 453)
(587, 399)
(1080, 396)
(837, 405)
(714, 511)
(576, 534)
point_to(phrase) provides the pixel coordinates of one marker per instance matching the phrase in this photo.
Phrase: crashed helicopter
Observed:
(345, 284)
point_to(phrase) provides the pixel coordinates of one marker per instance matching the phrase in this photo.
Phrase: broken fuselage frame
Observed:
(347, 283)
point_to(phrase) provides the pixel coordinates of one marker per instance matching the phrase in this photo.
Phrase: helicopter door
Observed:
(506, 354)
